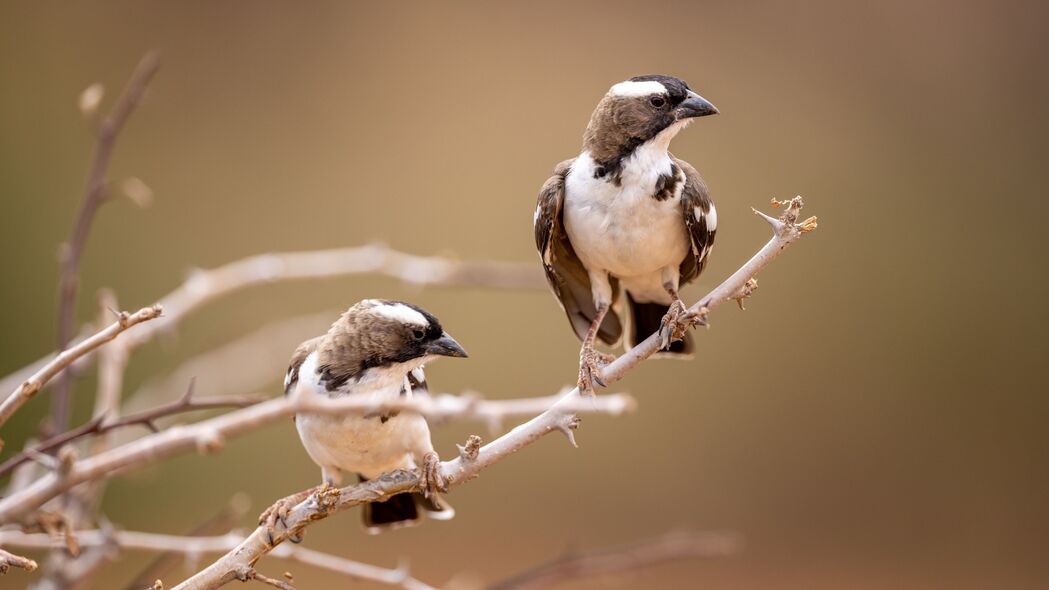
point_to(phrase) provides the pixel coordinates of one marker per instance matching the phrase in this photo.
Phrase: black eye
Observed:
(418, 334)
(657, 101)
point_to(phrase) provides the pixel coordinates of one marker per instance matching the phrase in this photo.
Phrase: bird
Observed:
(378, 349)
(626, 214)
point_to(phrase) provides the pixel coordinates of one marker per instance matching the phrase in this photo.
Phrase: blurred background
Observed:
(875, 419)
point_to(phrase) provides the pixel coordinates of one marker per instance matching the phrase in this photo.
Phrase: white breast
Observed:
(623, 229)
(358, 444)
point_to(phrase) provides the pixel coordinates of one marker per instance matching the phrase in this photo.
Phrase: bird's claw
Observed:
(279, 513)
(677, 321)
(591, 362)
(430, 479)
(274, 514)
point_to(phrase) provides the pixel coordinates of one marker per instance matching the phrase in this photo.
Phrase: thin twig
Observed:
(147, 418)
(632, 557)
(210, 435)
(468, 465)
(9, 560)
(94, 195)
(31, 386)
(205, 286)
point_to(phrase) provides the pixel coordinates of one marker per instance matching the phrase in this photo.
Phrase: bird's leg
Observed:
(677, 320)
(430, 479)
(590, 360)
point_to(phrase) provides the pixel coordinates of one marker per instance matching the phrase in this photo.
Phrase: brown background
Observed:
(876, 419)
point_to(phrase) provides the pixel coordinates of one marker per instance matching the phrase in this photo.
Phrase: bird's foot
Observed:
(279, 513)
(430, 479)
(591, 362)
(677, 321)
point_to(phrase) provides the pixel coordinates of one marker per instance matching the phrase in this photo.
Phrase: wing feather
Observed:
(700, 219)
(564, 271)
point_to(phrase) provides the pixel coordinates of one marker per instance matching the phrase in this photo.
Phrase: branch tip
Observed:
(745, 291)
(10, 560)
(469, 451)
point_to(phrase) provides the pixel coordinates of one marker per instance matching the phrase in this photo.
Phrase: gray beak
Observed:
(446, 346)
(694, 105)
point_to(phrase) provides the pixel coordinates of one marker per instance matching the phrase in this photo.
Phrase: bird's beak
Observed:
(694, 105)
(446, 346)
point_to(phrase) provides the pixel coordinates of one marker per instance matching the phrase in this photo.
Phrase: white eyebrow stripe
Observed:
(401, 313)
(630, 88)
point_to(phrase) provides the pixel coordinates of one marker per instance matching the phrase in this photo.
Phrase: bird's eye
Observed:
(657, 101)
(418, 334)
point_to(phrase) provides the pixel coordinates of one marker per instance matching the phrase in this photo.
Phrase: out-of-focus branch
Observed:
(31, 386)
(94, 195)
(197, 545)
(170, 558)
(210, 435)
(9, 560)
(628, 558)
(148, 418)
(472, 460)
(205, 286)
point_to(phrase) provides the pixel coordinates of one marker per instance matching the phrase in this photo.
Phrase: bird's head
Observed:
(382, 333)
(640, 110)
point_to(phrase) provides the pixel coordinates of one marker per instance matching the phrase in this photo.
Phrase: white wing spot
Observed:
(418, 374)
(711, 218)
(535, 218)
(629, 88)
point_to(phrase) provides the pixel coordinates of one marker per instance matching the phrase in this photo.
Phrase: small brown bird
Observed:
(378, 349)
(626, 213)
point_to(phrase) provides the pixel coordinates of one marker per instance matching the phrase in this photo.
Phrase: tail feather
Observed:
(402, 510)
(645, 320)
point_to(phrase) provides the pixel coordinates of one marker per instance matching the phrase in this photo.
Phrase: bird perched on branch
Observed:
(627, 213)
(378, 349)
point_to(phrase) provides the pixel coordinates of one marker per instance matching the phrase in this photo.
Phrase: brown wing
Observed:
(700, 220)
(299, 357)
(564, 271)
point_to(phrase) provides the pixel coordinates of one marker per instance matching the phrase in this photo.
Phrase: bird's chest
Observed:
(623, 228)
(367, 445)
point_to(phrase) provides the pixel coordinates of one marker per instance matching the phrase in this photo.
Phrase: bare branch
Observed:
(209, 435)
(94, 195)
(31, 386)
(8, 561)
(147, 418)
(197, 545)
(205, 286)
(467, 466)
(635, 556)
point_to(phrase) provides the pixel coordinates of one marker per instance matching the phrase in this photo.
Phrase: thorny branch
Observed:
(94, 195)
(35, 383)
(210, 436)
(204, 286)
(468, 466)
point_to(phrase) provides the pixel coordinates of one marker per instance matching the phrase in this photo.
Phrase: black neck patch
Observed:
(612, 169)
(666, 184)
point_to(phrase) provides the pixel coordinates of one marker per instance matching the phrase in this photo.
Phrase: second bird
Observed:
(627, 214)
